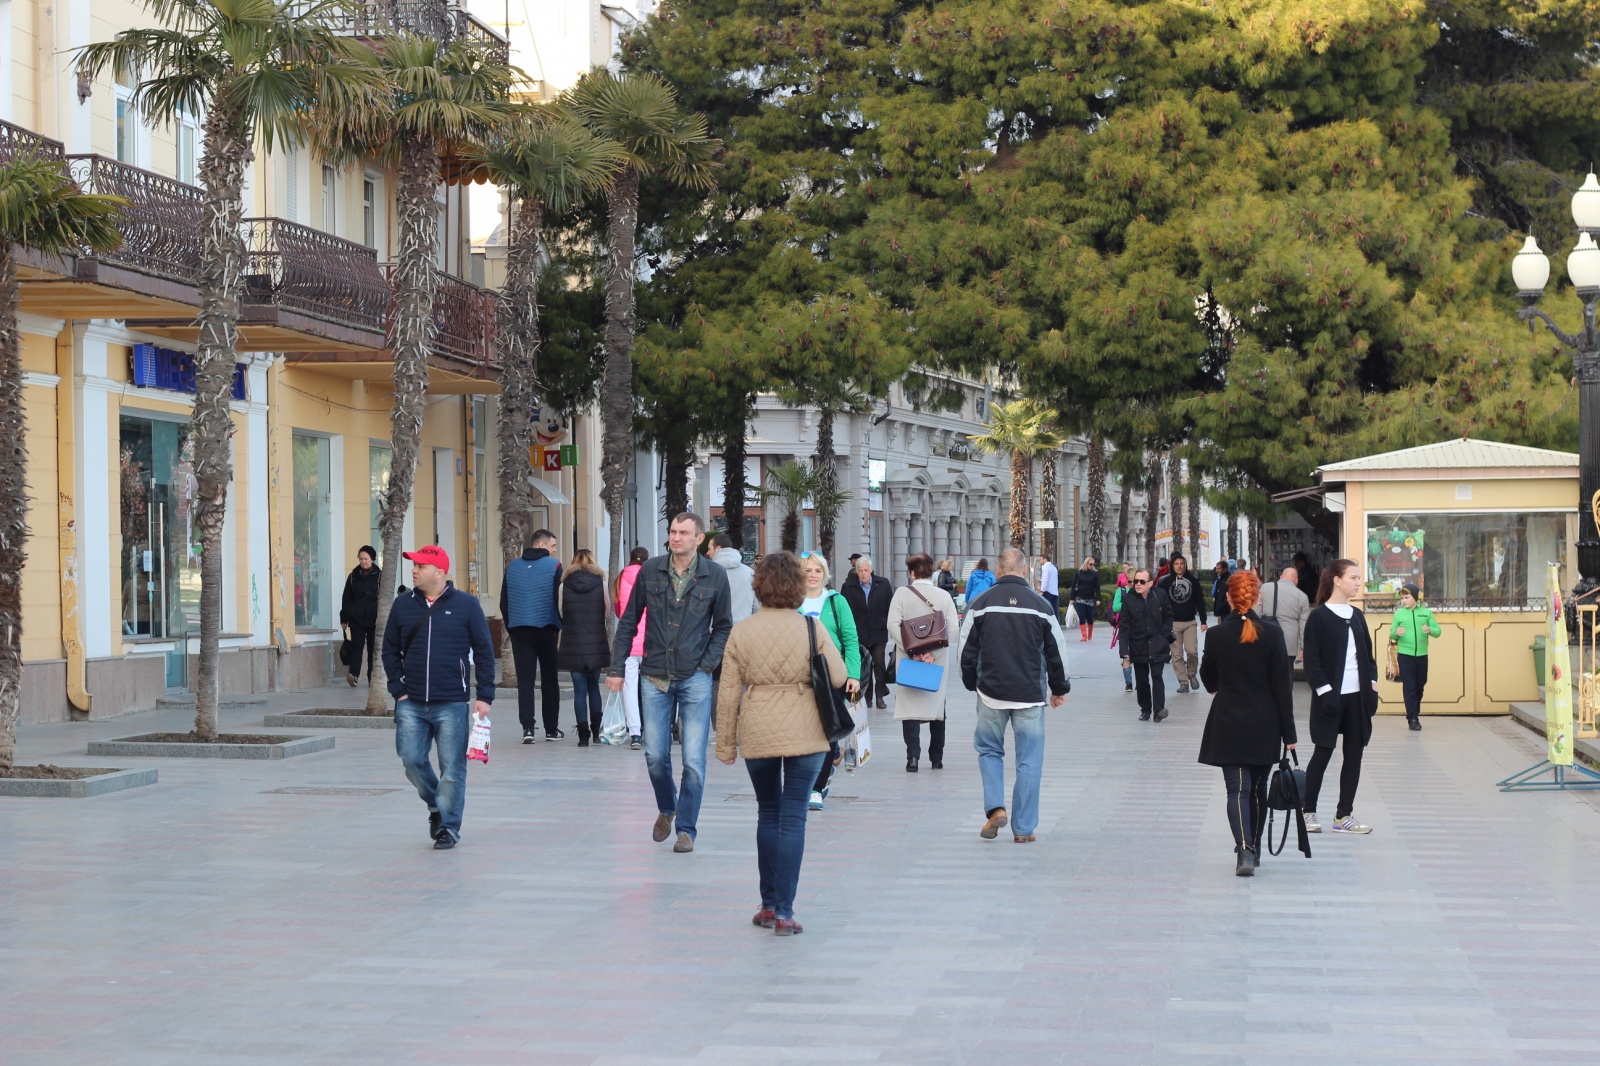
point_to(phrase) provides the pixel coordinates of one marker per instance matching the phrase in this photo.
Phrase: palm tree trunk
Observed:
(411, 338)
(733, 480)
(1175, 506)
(791, 530)
(13, 507)
(675, 500)
(517, 344)
(1152, 510)
(1122, 520)
(1194, 517)
(1097, 496)
(616, 405)
(822, 461)
(1019, 497)
(1049, 492)
(221, 273)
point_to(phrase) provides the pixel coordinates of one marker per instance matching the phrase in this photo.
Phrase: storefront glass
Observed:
(313, 519)
(1479, 560)
(380, 460)
(160, 545)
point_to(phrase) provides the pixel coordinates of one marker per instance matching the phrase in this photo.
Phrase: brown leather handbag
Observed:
(925, 632)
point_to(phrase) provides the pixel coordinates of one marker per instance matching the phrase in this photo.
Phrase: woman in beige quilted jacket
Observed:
(767, 711)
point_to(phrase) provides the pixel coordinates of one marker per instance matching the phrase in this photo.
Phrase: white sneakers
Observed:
(1347, 824)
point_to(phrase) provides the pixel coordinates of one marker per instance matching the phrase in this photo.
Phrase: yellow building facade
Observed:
(111, 589)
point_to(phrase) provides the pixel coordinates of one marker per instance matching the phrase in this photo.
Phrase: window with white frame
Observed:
(330, 199)
(127, 118)
(187, 136)
(369, 210)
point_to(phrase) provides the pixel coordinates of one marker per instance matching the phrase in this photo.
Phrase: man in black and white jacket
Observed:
(1014, 656)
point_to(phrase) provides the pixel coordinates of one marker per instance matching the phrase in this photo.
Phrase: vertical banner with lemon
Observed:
(1557, 680)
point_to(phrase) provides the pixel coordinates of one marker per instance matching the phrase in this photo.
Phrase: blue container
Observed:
(915, 674)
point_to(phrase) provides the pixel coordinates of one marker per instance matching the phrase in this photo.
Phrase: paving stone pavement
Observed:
(216, 919)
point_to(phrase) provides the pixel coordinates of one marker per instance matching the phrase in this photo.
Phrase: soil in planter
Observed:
(54, 773)
(347, 712)
(222, 738)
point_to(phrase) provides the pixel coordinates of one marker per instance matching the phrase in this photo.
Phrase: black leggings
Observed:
(1247, 802)
(911, 729)
(1413, 679)
(1353, 730)
(361, 640)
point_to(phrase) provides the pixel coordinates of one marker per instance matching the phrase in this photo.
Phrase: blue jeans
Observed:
(417, 728)
(990, 741)
(586, 698)
(783, 787)
(691, 699)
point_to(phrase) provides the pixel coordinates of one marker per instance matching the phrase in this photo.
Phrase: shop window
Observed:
(313, 520)
(1484, 560)
(160, 545)
(380, 461)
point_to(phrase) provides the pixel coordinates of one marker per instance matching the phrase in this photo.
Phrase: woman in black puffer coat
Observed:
(358, 610)
(585, 648)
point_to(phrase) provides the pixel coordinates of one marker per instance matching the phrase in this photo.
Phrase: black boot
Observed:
(911, 764)
(594, 727)
(1414, 723)
(583, 734)
(1244, 867)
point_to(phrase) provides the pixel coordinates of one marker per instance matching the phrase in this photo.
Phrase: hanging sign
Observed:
(552, 460)
(569, 455)
(1557, 682)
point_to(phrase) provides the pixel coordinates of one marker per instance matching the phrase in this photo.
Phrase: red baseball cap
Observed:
(430, 553)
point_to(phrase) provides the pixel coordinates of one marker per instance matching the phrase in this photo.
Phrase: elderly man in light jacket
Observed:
(1283, 601)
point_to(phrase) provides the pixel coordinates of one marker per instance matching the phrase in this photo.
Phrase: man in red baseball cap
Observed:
(434, 633)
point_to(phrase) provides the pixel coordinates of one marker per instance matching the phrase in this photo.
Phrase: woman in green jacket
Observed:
(829, 607)
(1413, 625)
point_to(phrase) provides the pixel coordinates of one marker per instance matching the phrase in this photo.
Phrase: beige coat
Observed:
(765, 706)
(913, 704)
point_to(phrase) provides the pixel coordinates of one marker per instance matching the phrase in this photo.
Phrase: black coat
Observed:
(1144, 629)
(585, 647)
(1252, 714)
(1219, 596)
(432, 665)
(1086, 586)
(359, 607)
(872, 617)
(945, 580)
(1326, 634)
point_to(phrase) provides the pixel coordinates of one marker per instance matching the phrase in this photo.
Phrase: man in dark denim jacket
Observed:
(688, 601)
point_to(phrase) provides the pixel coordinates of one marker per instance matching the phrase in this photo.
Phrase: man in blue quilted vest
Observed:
(528, 609)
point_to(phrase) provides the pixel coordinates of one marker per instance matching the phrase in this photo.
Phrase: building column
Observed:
(900, 546)
(98, 579)
(937, 539)
(258, 529)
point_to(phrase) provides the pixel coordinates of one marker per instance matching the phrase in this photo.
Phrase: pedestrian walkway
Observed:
(294, 912)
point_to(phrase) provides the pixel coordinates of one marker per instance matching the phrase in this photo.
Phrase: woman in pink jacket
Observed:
(630, 683)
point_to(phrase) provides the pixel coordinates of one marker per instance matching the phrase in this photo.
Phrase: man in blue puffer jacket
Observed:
(533, 622)
(433, 634)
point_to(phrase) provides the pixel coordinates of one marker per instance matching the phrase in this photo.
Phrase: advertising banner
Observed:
(1557, 679)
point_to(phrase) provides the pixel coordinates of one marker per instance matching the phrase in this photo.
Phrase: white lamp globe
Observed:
(1586, 204)
(1583, 265)
(1530, 268)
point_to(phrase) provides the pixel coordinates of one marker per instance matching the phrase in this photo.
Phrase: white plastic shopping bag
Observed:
(613, 723)
(1071, 617)
(478, 739)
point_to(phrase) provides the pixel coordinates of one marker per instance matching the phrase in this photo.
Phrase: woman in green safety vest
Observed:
(1413, 625)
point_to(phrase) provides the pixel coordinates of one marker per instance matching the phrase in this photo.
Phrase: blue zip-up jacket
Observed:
(528, 594)
(433, 667)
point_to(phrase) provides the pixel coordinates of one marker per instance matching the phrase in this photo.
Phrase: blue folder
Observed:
(915, 674)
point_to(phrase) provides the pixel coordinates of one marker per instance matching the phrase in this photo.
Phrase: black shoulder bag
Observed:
(1283, 794)
(832, 710)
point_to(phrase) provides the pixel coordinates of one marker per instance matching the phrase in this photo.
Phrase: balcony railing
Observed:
(302, 269)
(435, 19)
(463, 320)
(162, 225)
(468, 27)
(18, 143)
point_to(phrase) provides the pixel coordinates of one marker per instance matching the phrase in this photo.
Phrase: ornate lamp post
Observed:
(1531, 270)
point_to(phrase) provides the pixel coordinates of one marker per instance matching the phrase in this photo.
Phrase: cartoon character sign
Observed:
(548, 428)
(1394, 557)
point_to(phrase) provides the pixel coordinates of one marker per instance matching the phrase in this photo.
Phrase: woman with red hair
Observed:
(1251, 719)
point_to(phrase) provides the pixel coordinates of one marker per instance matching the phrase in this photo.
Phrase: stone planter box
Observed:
(79, 787)
(328, 718)
(186, 701)
(144, 745)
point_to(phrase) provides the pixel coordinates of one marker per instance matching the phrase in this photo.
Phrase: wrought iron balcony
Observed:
(18, 143)
(302, 269)
(162, 225)
(463, 314)
(435, 19)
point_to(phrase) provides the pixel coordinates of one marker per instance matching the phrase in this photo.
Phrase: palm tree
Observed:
(1021, 428)
(1175, 504)
(791, 483)
(253, 68)
(42, 210)
(1152, 509)
(1097, 497)
(640, 113)
(439, 99)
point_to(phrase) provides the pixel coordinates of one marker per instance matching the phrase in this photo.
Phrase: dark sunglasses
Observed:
(1141, 581)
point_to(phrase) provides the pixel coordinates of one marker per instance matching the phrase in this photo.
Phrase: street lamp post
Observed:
(1530, 269)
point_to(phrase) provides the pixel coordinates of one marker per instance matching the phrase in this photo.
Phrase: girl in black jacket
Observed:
(1252, 718)
(585, 649)
(358, 610)
(1344, 691)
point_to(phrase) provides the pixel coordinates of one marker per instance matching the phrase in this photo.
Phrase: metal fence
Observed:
(304, 269)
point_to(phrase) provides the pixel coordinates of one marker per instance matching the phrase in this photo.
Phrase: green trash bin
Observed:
(1537, 647)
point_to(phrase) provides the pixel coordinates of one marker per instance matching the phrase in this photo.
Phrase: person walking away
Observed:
(1163, 568)
(1086, 596)
(432, 634)
(689, 603)
(1013, 655)
(979, 581)
(1050, 584)
(626, 580)
(1284, 603)
(828, 607)
(585, 651)
(1124, 580)
(1219, 589)
(1251, 721)
(1344, 691)
(528, 606)
(1145, 637)
(358, 610)
(913, 706)
(946, 577)
(1306, 575)
(1413, 625)
(767, 712)
(741, 599)
(1188, 615)
(869, 598)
